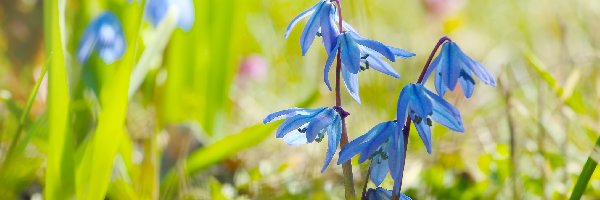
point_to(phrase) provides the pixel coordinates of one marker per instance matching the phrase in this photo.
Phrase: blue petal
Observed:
(451, 69)
(156, 10)
(379, 194)
(466, 83)
(334, 132)
(185, 13)
(401, 52)
(439, 83)
(292, 124)
(350, 53)
(328, 30)
(396, 156)
(301, 16)
(351, 82)
(105, 35)
(476, 67)
(284, 114)
(425, 133)
(320, 121)
(354, 147)
(379, 169)
(382, 66)
(329, 62)
(295, 138)
(419, 102)
(384, 132)
(374, 45)
(444, 113)
(311, 29)
(346, 25)
(402, 105)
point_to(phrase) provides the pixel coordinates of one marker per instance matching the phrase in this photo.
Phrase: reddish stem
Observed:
(347, 166)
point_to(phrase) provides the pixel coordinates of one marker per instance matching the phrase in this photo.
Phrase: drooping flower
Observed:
(380, 193)
(105, 36)
(423, 106)
(378, 144)
(156, 10)
(452, 65)
(302, 126)
(356, 51)
(322, 22)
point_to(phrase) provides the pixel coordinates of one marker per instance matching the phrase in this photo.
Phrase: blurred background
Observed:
(193, 128)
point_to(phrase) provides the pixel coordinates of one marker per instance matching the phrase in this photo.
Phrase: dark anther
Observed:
(319, 34)
(341, 111)
(302, 130)
(429, 122)
(417, 120)
(365, 56)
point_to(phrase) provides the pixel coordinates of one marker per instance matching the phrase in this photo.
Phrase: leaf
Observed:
(586, 172)
(59, 181)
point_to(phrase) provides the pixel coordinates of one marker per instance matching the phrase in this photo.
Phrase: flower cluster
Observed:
(385, 144)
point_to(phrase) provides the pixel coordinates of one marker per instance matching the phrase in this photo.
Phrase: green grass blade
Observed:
(59, 183)
(586, 173)
(94, 169)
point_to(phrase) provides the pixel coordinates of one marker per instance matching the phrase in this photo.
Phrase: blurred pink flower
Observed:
(252, 67)
(442, 7)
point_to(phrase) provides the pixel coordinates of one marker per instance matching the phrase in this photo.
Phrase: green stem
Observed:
(586, 174)
(25, 112)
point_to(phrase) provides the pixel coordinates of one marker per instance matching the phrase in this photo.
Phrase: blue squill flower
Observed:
(357, 51)
(422, 105)
(377, 144)
(322, 22)
(380, 193)
(302, 126)
(452, 66)
(157, 9)
(105, 36)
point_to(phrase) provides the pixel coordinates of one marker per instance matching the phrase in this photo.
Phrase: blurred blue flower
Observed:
(452, 66)
(157, 9)
(104, 35)
(380, 193)
(303, 126)
(422, 105)
(322, 22)
(356, 51)
(377, 144)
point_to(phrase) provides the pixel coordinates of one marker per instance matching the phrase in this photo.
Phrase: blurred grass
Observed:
(91, 136)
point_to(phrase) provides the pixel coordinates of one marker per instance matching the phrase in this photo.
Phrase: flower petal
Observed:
(439, 83)
(425, 133)
(329, 62)
(328, 30)
(444, 113)
(379, 169)
(351, 82)
(396, 156)
(105, 35)
(451, 69)
(374, 45)
(334, 132)
(284, 114)
(382, 66)
(402, 106)
(311, 28)
(185, 13)
(435, 64)
(354, 147)
(320, 121)
(483, 74)
(350, 53)
(382, 133)
(292, 124)
(297, 19)
(295, 138)
(467, 84)
(419, 102)
(401, 52)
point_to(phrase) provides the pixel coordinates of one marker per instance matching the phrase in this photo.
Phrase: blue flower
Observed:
(322, 22)
(307, 125)
(382, 194)
(104, 35)
(356, 51)
(157, 9)
(378, 145)
(422, 105)
(452, 66)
